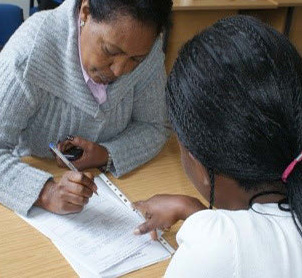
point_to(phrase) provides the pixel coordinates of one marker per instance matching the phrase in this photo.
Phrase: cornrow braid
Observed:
(212, 191)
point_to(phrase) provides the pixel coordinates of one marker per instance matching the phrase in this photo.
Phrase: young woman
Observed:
(93, 69)
(235, 102)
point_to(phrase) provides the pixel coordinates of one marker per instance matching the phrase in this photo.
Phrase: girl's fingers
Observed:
(140, 205)
(153, 234)
(144, 228)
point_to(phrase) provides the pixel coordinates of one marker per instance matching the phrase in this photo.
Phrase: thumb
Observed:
(79, 142)
(89, 175)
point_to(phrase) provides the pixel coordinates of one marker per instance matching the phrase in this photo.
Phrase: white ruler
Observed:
(127, 203)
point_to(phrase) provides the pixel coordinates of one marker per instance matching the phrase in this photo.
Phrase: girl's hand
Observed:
(163, 211)
(94, 155)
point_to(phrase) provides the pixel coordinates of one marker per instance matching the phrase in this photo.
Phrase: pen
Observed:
(65, 160)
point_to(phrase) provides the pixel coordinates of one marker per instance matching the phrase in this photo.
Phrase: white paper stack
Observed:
(99, 241)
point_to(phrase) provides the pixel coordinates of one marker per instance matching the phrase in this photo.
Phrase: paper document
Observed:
(152, 253)
(99, 241)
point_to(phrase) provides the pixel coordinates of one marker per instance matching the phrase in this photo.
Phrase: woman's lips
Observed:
(102, 79)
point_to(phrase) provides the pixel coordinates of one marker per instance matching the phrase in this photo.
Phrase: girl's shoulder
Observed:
(220, 218)
(207, 247)
(240, 242)
(236, 224)
(212, 227)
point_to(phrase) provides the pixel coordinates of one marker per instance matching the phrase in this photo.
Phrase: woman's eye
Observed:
(108, 52)
(138, 60)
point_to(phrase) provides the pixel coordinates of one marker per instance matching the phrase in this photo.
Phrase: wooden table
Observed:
(25, 252)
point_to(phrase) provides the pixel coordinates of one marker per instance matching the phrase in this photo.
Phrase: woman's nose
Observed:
(119, 66)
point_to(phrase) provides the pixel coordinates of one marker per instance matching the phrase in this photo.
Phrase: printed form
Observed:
(99, 239)
(101, 227)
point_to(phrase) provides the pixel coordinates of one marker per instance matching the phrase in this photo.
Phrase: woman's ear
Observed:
(84, 10)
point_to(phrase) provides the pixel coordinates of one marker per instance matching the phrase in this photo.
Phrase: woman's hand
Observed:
(69, 195)
(163, 211)
(94, 155)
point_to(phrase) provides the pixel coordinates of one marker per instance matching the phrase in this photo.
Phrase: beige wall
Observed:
(275, 18)
(185, 25)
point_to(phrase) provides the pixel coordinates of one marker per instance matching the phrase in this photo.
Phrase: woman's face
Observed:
(113, 48)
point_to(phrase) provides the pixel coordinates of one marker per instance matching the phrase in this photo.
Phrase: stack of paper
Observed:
(99, 241)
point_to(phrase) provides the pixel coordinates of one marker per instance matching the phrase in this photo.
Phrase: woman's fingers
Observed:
(62, 147)
(85, 154)
(89, 175)
(71, 208)
(80, 190)
(79, 142)
(76, 200)
(65, 145)
(83, 179)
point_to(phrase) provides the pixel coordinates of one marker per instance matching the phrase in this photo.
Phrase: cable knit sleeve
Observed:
(20, 184)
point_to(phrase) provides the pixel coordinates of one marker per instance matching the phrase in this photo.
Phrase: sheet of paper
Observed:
(154, 252)
(99, 241)
(104, 225)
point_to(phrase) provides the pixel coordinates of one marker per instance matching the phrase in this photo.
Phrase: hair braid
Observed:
(212, 191)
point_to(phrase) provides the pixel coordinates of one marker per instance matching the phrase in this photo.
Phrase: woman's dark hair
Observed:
(235, 101)
(154, 12)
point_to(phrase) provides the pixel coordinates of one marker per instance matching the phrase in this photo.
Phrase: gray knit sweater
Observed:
(43, 98)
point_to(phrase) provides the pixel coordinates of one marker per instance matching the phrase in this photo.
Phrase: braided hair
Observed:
(235, 101)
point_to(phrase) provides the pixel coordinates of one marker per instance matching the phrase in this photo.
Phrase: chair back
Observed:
(11, 17)
(32, 8)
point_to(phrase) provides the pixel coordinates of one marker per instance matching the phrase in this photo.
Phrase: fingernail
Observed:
(69, 137)
(137, 232)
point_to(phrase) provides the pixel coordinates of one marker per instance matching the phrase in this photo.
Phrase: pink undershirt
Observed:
(97, 90)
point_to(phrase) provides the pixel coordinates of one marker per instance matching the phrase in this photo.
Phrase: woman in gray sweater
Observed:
(92, 69)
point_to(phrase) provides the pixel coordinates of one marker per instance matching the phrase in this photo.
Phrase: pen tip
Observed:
(51, 145)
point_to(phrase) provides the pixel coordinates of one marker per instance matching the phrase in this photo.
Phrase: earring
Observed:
(82, 23)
